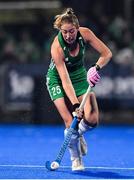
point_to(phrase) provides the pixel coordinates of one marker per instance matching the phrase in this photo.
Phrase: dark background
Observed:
(26, 32)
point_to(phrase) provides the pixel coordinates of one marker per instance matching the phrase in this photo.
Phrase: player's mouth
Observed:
(70, 40)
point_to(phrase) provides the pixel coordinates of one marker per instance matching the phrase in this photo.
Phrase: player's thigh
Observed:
(63, 110)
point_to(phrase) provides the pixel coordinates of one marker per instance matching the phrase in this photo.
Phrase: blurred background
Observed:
(26, 32)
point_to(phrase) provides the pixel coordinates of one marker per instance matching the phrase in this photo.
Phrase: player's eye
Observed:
(65, 32)
(72, 31)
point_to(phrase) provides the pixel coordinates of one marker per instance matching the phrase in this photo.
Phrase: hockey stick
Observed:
(56, 163)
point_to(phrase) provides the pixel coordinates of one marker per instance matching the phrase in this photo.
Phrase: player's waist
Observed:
(75, 67)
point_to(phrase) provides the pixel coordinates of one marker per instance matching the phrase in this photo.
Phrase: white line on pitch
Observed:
(104, 167)
(21, 165)
(90, 167)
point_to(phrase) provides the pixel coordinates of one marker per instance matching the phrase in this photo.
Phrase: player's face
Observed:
(69, 32)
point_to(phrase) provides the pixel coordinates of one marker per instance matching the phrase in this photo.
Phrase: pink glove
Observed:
(93, 76)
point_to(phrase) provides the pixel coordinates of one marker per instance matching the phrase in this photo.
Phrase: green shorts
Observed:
(56, 90)
(78, 79)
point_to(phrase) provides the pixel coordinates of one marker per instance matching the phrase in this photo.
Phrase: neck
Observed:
(72, 47)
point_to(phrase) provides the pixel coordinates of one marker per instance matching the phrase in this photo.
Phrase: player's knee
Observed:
(67, 122)
(85, 126)
(93, 118)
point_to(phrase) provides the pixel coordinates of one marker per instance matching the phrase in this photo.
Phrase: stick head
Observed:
(52, 166)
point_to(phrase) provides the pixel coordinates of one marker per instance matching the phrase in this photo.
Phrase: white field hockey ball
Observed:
(54, 165)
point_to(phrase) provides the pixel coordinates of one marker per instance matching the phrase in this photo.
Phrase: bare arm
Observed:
(58, 57)
(96, 43)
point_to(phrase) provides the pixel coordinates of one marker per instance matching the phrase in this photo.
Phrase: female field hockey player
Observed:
(67, 76)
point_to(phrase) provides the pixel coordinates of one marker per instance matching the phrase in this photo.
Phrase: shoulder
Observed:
(56, 45)
(85, 30)
(86, 33)
(56, 49)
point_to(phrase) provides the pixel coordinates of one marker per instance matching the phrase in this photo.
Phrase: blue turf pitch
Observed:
(24, 149)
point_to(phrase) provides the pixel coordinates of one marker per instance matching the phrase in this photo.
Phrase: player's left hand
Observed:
(93, 76)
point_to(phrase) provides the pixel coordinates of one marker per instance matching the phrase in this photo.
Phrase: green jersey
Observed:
(75, 67)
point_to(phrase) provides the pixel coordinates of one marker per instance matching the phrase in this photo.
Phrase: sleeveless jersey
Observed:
(75, 67)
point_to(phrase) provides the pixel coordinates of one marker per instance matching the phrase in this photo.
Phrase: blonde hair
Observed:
(67, 16)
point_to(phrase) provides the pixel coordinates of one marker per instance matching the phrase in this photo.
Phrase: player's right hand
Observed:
(77, 112)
